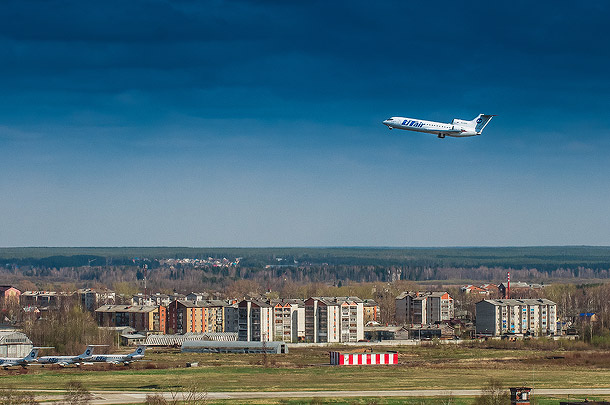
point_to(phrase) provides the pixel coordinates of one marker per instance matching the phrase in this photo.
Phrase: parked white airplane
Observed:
(63, 361)
(7, 362)
(457, 128)
(137, 354)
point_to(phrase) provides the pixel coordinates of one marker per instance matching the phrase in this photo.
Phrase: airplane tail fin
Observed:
(481, 121)
(87, 353)
(32, 356)
(139, 351)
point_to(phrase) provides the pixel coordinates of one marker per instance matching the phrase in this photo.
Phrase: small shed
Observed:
(363, 359)
(132, 339)
(520, 395)
(14, 344)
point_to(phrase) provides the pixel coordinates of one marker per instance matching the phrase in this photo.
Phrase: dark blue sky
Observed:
(259, 123)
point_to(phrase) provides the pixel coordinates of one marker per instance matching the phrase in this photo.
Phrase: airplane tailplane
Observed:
(481, 121)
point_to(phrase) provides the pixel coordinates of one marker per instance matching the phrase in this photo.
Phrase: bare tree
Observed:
(493, 393)
(156, 399)
(77, 393)
(10, 396)
(193, 394)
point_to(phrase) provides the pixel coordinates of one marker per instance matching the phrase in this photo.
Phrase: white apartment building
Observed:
(91, 299)
(255, 321)
(536, 317)
(289, 320)
(334, 319)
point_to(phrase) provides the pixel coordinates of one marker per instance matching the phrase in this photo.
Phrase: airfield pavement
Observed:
(134, 397)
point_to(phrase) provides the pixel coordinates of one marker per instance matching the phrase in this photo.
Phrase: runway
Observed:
(134, 397)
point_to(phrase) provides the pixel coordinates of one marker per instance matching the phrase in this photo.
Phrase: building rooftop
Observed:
(127, 308)
(524, 301)
(13, 337)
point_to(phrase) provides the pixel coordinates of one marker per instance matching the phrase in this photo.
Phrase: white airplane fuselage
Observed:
(64, 361)
(138, 354)
(457, 128)
(61, 360)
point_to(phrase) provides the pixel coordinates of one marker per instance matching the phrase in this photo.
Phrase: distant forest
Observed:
(542, 258)
(90, 266)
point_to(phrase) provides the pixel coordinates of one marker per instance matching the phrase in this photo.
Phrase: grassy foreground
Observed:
(315, 378)
(436, 367)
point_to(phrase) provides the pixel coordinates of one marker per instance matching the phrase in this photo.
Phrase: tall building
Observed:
(534, 317)
(91, 299)
(334, 319)
(206, 316)
(255, 321)
(288, 320)
(424, 307)
(371, 311)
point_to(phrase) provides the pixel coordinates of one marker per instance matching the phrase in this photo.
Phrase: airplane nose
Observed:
(388, 123)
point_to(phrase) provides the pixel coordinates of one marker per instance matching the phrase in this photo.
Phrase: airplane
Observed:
(64, 361)
(121, 358)
(457, 128)
(7, 362)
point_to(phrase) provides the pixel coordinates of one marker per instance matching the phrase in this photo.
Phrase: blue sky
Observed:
(258, 123)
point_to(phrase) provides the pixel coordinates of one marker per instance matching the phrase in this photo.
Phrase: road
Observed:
(134, 397)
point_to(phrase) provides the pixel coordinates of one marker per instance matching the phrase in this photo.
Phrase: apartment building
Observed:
(156, 299)
(370, 311)
(91, 299)
(420, 308)
(439, 307)
(197, 296)
(45, 299)
(142, 318)
(535, 317)
(334, 319)
(255, 321)
(207, 316)
(288, 320)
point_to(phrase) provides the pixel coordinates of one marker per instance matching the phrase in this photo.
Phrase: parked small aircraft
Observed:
(126, 359)
(64, 361)
(7, 362)
(457, 128)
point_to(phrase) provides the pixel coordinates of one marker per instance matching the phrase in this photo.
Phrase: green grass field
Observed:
(437, 367)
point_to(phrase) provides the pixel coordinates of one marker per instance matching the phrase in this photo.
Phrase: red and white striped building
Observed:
(363, 359)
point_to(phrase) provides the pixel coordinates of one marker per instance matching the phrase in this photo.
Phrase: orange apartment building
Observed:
(201, 316)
